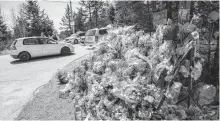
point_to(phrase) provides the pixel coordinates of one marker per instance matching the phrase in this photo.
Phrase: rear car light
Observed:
(13, 48)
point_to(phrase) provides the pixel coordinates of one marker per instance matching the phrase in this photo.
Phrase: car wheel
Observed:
(24, 56)
(76, 41)
(65, 51)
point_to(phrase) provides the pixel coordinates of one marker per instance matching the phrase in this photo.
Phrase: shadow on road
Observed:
(40, 59)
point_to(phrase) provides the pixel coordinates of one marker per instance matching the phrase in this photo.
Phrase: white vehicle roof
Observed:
(104, 28)
(30, 37)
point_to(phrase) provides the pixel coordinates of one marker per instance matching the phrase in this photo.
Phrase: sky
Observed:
(55, 9)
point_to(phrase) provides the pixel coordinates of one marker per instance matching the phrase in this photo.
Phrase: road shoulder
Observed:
(46, 103)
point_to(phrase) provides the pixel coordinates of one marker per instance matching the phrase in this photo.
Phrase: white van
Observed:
(93, 36)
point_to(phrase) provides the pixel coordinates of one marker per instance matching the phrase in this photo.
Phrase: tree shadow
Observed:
(40, 59)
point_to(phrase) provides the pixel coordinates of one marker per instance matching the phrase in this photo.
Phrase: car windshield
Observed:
(82, 34)
(51, 41)
(73, 35)
(90, 32)
(103, 31)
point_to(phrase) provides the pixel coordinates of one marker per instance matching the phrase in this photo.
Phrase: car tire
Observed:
(24, 56)
(65, 51)
(76, 41)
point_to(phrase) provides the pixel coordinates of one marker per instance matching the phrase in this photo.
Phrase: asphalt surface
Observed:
(18, 80)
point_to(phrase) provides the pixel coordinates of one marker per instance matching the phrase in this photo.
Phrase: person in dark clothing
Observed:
(54, 37)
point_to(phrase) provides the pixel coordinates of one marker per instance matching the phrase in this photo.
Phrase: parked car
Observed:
(95, 35)
(82, 37)
(76, 37)
(30, 47)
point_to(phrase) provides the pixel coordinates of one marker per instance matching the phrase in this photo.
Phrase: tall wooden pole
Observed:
(90, 19)
(73, 27)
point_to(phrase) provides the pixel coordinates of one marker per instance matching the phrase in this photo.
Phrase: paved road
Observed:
(18, 80)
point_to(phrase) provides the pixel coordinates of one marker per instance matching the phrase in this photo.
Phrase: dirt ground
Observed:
(46, 104)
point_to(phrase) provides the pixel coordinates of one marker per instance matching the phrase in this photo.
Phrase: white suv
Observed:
(29, 47)
(95, 35)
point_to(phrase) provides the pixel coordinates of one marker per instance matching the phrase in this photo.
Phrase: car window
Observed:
(31, 41)
(103, 31)
(73, 35)
(51, 41)
(82, 34)
(90, 32)
(14, 42)
(42, 40)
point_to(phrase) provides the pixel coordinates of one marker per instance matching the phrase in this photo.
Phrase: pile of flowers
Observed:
(132, 75)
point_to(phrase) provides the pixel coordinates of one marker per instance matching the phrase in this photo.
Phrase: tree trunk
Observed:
(69, 24)
(149, 16)
(90, 20)
(169, 10)
(215, 67)
(191, 10)
(96, 14)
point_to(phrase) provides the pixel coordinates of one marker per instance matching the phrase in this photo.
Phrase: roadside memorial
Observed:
(134, 76)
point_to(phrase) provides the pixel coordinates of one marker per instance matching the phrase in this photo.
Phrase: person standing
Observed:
(54, 36)
(42, 34)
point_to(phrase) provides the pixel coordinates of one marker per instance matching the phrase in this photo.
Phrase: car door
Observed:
(33, 46)
(90, 37)
(101, 34)
(50, 46)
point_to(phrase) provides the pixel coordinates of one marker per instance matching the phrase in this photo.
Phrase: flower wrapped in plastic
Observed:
(159, 69)
(144, 40)
(145, 114)
(99, 67)
(184, 71)
(129, 93)
(174, 91)
(172, 112)
(138, 65)
(92, 78)
(196, 70)
(119, 112)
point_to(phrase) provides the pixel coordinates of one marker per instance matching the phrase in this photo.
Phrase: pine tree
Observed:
(32, 21)
(88, 6)
(79, 20)
(3, 28)
(111, 14)
(134, 12)
(66, 20)
(93, 9)
(98, 5)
